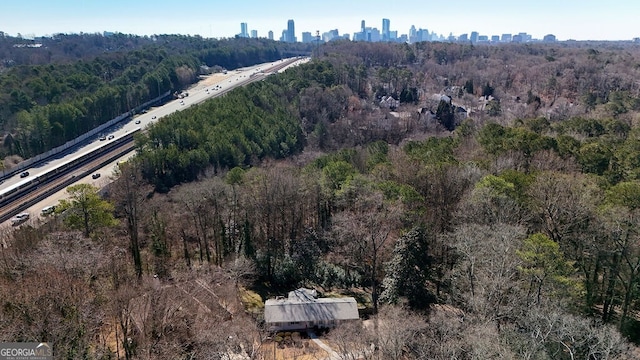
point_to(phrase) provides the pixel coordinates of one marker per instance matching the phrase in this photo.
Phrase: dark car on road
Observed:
(24, 174)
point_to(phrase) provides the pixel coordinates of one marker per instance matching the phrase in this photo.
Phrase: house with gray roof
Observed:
(302, 309)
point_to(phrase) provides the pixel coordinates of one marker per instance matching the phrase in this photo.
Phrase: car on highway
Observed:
(110, 137)
(153, 117)
(47, 210)
(137, 121)
(103, 138)
(24, 174)
(95, 176)
(19, 219)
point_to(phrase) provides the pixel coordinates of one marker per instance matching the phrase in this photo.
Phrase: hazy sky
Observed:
(567, 19)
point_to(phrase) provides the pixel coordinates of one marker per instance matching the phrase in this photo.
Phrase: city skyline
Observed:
(570, 19)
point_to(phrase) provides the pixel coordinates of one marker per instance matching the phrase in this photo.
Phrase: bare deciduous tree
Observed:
(129, 192)
(364, 231)
(485, 279)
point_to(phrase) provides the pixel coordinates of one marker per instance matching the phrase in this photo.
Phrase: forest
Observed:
(74, 83)
(489, 212)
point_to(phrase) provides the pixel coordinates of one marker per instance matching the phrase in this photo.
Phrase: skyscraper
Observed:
(243, 30)
(254, 34)
(386, 29)
(374, 35)
(307, 37)
(474, 37)
(362, 35)
(270, 35)
(291, 32)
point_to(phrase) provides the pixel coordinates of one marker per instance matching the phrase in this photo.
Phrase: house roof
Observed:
(303, 294)
(313, 310)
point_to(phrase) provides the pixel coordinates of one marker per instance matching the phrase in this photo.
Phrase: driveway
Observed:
(332, 355)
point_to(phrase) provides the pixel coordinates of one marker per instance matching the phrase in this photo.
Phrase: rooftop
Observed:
(302, 306)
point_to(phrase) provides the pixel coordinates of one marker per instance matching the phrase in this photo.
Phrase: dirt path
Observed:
(332, 354)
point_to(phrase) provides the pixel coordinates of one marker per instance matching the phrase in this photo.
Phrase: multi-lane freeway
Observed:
(210, 87)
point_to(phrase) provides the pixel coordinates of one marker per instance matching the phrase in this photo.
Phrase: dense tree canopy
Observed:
(508, 235)
(51, 102)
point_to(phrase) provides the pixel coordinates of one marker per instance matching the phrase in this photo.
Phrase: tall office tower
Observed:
(330, 35)
(474, 37)
(386, 29)
(362, 34)
(307, 37)
(412, 34)
(423, 35)
(270, 36)
(374, 35)
(525, 37)
(254, 34)
(243, 30)
(291, 32)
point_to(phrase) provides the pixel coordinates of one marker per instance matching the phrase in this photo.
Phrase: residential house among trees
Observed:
(302, 309)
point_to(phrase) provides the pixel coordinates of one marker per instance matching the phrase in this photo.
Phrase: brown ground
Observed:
(209, 80)
(309, 351)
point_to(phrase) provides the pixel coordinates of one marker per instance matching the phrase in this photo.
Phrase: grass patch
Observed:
(362, 298)
(252, 301)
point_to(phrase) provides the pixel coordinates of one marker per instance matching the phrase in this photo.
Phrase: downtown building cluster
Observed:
(373, 34)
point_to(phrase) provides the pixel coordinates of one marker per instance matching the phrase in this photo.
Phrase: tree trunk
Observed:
(135, 246)
(607, 307)
(187, 257)
(87, 230)
(628, 293)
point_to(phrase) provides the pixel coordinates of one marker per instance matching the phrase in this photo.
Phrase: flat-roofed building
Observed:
(302, 309)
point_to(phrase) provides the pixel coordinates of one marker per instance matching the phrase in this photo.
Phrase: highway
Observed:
(209, 87)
